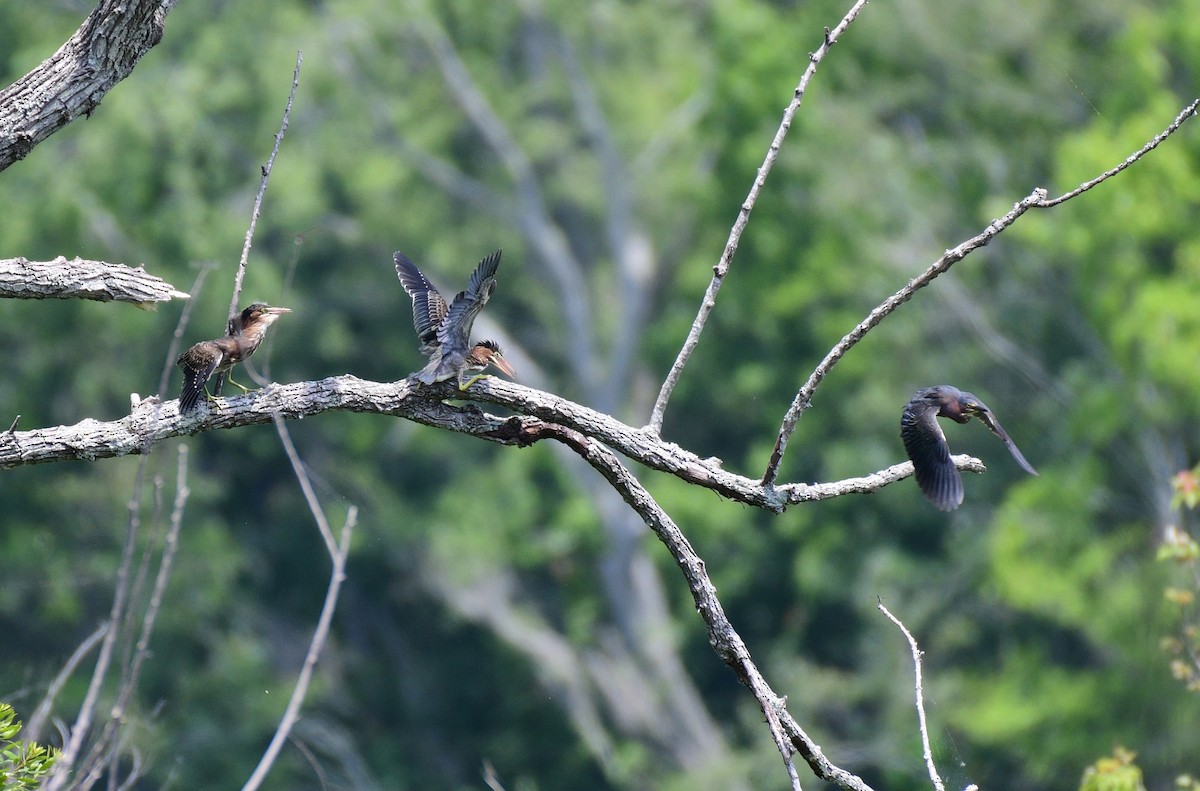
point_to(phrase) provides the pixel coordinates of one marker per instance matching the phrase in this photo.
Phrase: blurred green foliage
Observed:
(1117, 773)
(23, 764)
(1038, 605)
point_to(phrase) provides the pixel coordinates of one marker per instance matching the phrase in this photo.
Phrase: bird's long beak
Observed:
(990, 421)
(503, 364)
(277, 311)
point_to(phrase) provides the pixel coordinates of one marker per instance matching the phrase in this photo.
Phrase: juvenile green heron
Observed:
(199, 363)
(936, 474)
(445, 330)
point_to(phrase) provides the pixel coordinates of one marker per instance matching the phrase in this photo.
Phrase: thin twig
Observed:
(314, 764)
(320, 634)
(83, 721)
(1035, 200)
(916, 655)
(33, 729)
(262, 190)
(92, 766)
(490, 778)
(132, 672)
(803, 398)
(1184, 115)
(739, 225)
(13, 426)
(310, 496)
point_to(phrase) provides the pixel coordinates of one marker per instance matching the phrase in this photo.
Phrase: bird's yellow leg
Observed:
(238, 385)
(472, 381)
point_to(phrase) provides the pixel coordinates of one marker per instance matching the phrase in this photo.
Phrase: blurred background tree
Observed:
(504, 605)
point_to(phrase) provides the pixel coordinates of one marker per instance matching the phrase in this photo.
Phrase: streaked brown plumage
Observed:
(218, 356)
(445, 329)
(926, 444)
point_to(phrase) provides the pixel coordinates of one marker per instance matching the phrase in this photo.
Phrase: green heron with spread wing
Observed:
(926, 444)
(199, 363)
(445, 329)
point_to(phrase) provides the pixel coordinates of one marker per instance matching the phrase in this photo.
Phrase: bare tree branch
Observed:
(320, 634)
(131, 672)
(33, 729)
(73, 746)
(262, 191)
(152, 421)
(927, 753)
(1035, 200)
(73, 81)
(77, 278)
(803, 398)
(789, 737)
(735, 234)
(1184, 115)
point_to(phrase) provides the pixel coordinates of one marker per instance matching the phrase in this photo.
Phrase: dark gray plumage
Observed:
(926, 444)
(445, 329)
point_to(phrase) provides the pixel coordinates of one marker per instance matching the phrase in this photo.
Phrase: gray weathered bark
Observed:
(72, 81)
(21, 278)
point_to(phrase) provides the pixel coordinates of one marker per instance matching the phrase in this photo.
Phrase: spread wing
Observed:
(926, 444)
(429, 308)
(455, 331)
(198, 364)
(990, 421)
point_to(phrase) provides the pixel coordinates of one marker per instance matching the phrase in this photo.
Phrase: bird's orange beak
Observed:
(503, 364)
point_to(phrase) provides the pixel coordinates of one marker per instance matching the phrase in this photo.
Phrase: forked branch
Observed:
(1035, 200)
(790, 739)
(153, 421)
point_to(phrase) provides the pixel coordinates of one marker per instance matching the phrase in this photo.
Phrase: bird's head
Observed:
(969, 405)
(259, 313)
(950, 402)
(487, 353)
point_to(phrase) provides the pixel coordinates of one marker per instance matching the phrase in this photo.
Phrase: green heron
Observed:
(445, 330)
(936, 474)
(199, 363)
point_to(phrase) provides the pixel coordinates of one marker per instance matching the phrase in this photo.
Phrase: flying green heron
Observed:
(199, 363)
(936, 474)
(445, 330)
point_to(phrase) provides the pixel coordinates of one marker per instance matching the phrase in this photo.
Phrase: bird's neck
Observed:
(252, 334)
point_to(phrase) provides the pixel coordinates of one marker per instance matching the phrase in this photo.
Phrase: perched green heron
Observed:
(936, 474)
(199, 363)
(445, 330)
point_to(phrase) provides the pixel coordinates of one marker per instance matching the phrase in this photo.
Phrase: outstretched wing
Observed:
(455, 331)
(198, 364)
(483, 280)
(990, 421)
(926, 445)
(429, 308)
